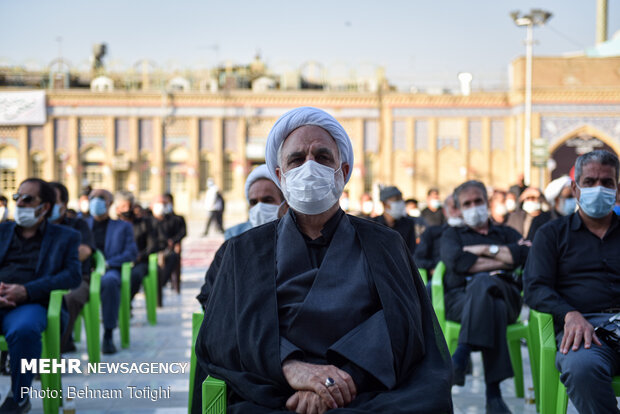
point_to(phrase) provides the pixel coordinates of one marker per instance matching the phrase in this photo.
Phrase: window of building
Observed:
(204, 173)
(8, 183)
(228, 172)
(36, 165)
(92, 173)
(8, 169)
(122, 178)
(145, 175)
(368, 173)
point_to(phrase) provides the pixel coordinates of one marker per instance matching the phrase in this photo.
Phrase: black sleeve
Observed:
(518, 252)
(452, 254)
(181, 229)
(203, 296)
(87, 235)
(539, 277)
(423, 256)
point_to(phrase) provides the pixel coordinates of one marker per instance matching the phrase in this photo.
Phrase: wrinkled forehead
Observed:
(306, 137)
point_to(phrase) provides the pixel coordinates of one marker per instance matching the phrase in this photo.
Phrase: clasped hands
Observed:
(12, 294)
(313, 396)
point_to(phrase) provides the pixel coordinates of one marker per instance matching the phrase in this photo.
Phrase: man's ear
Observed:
(279, 173)
(345, 167)
(573, 187)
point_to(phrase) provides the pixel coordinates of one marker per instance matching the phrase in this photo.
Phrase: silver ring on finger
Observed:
(329, 381)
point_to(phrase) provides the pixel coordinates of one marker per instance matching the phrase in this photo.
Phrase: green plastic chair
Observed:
(197, 318)
(552, 394)
(150, 290)
(424, 275)
(125, 310)
(51, 349)
(90, 312)
(514, 332)
(213, 396)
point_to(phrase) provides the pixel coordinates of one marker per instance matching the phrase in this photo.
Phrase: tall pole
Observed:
(527, 159)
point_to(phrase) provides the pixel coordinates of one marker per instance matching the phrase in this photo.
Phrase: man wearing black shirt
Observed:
(170, 230)
(74, 300)
(480, 291)
(115, 239)
(573, 273)
(144, 235)
(433, 213)
(395, 217)
(36, 257)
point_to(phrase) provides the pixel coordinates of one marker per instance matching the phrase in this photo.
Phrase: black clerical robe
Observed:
(239, 340)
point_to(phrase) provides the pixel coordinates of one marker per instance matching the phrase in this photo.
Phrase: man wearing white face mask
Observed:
(264, 198)
(36, 257)
(433, 214)
(327, 291)
(530, 217)
(481, 291)
(573, 273)
(395, 217)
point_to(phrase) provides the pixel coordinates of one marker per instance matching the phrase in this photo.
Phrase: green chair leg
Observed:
(77, 327)
(92, 320)
(125, 309)
(514, 334)
(197, 318)
(213, 396)
(150, 290)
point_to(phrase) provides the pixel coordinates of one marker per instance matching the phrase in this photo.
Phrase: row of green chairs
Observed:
(91, 311)
(50, 350)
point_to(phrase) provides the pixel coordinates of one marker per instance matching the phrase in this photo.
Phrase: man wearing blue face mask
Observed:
(573, 273)
(320, 309)
(36, 257)
(114, 238)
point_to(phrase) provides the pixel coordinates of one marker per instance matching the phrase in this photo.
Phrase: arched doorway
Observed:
(93, 160)
(563, 158)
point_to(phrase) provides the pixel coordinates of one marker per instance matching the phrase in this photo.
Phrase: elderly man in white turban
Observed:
(264, 198)
(321, 310)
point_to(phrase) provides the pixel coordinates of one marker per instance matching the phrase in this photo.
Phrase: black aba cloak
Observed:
(239, 337)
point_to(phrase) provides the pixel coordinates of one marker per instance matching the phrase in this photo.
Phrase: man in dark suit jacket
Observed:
(36, 257)
(115, 239)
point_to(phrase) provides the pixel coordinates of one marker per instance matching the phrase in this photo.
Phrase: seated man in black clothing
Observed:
(178, 223)
(74, 300)
(427, 253)
(169, 233)
(432, 214)
(480, 290)
(395, 217)
(144, 235)
(573, 273)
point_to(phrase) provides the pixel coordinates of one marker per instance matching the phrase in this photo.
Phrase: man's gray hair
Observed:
(125, 195)
(465, 186)
(602, 157)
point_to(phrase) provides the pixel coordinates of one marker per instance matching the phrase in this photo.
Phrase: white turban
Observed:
(258, 173)
(555, 187)
(299, 117)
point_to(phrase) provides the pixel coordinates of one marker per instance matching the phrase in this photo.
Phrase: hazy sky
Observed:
(419, 42)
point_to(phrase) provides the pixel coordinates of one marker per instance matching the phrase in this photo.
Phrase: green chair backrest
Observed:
(437, 294)
(424, 275)
(99, 262)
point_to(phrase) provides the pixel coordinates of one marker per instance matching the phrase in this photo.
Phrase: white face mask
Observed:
(475, 216)
(84, 206)
(415, 212)
(312, 188)
(455, 221)
(511, 205)
(531, 206)
(435, 204)
(397, 209)
(500, 209)
(27, 216)
(3, 213)
(262, 213)
(367, 207)
(158, 209)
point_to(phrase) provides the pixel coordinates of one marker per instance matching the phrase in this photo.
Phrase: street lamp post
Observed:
(536, 17)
